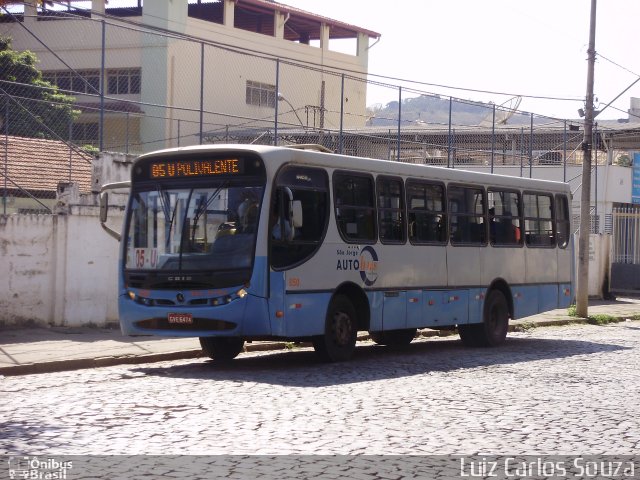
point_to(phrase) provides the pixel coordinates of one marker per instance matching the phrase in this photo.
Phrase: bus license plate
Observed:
(180, 318)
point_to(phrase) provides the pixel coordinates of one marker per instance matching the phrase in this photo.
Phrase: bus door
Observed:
(298, 220)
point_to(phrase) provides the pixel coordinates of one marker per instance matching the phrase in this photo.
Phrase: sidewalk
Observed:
(41, 350)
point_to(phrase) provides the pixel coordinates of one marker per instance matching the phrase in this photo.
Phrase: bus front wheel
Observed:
(495, 323)
(341, 329)
(222, 349)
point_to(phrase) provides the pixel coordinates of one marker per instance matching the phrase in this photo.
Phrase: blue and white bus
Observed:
(235, 243)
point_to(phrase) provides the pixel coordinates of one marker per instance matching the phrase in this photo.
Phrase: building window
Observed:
(123, 81)
(261, 94)
(82, 81)
(85, 132)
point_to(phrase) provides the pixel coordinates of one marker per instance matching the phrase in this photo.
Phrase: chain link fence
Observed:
(111, 85)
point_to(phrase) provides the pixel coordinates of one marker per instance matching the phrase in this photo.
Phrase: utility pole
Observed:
(582, 297)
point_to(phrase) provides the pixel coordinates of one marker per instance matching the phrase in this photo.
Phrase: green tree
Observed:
(29, 105)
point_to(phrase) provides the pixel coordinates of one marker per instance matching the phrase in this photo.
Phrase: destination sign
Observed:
(196, 168)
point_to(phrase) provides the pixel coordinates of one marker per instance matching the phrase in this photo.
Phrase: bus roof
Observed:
(275, 156)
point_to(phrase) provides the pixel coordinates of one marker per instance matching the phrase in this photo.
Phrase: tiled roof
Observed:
(38, 165)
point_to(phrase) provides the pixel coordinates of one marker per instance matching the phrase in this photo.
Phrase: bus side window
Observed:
(563, 221)
(504, 217)
(355, 207)
(391, 219)
(425, 207)
(299, 215)
(466, 215)
(538, 220)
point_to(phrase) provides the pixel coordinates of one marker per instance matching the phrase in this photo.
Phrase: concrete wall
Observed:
(599, 248)
(61, 269)
(58, 270)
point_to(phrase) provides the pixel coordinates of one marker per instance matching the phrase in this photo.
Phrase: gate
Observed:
(625, 251)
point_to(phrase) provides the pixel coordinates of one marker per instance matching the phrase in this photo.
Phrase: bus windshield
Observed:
(210, 229)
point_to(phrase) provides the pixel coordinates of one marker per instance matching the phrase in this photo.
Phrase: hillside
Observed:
(432, 109)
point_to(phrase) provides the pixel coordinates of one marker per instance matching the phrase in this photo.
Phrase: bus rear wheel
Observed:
(495, 323)
(340, 333)
(394, 338)
(222, 349)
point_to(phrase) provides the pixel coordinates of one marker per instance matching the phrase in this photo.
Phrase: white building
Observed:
(177, 70)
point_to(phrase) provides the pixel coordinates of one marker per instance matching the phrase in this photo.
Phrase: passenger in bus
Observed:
(277, 227)
(248, 212)
(503, 231)
(492, 225)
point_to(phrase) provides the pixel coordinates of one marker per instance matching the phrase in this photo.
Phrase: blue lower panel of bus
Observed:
(565, 295)
(304, 315)
(534, 299)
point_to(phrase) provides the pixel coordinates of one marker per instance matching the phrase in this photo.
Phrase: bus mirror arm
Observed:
(104, 206)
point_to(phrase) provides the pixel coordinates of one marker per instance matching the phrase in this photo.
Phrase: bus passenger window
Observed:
(563, 221)
(354, 207)
(538, 220)
(504, 218)
(427, 218)
(466, 215)
(391, 210)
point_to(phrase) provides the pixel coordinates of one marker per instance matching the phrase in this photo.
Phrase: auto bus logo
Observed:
(368, 266)
(363, 260)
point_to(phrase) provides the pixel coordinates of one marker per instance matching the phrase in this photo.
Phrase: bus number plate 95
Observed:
(180, 318)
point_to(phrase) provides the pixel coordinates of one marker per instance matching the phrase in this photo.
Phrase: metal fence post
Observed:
(399, 121)
(521, 151)
(340, 142)
(70, 148)
(564, 155)
(275, 120)
(531, 149)
(449, 139)
(493, 135)
(103, 80)
(201, 91)
(6, 154)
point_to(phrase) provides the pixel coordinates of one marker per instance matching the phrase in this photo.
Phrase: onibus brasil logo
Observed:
(363, 260)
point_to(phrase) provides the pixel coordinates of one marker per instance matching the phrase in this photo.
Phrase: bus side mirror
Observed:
(104, 206)
(296, 213)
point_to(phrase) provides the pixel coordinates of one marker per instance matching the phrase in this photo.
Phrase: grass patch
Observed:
(601, 319)
(525, 326)
(573, 310)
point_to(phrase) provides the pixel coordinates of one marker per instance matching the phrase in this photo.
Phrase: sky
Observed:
(534, 48)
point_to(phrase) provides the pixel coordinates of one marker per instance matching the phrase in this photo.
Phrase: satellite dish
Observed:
(504, 112)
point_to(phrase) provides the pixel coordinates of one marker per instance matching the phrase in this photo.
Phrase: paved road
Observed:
(561, 390)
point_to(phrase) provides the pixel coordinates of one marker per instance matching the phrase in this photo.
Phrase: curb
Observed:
(86, 363)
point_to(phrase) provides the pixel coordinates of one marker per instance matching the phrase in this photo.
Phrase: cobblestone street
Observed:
(560, 390)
